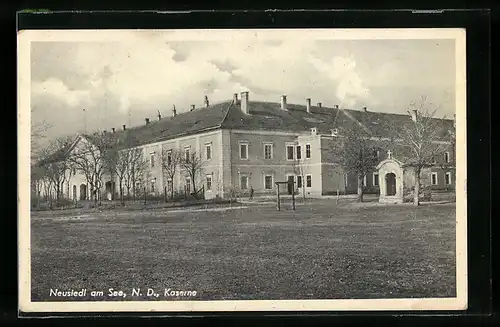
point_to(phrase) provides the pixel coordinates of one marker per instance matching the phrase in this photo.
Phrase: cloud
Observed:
(342, 70)
(147, 72)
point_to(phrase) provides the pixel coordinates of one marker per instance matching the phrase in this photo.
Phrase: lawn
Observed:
(320, 251)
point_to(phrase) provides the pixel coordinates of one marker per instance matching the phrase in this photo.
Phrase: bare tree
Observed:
(421, 140)
(170, 160)
(54, 164)
(90, 160)
(136, 165)
(357, 153)
(192, 163)
(38, 131)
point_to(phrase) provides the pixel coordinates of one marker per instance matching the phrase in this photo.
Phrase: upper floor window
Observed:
(244, 151)
(434, 178)
(152, 159)
(433, 160)
(169, 158)
(153, 184)
(308, 151)
(268, 151)
(208, 151)
(299, 152)
(446, 157)
(289, 152)
(187, 151)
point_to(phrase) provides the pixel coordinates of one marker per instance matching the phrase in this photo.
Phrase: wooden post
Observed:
(278, 198)
(293, 195)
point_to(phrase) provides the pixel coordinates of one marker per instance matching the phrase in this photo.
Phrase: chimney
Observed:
(147, 120)
(336, 106)
(192, 107)
(283, 102)
(235, 98)
(414, 115)
(113, 129)
(174, 112)
(124, 127)
(244, 102)
(308, 105)
(206, 102)
(365, 109)
(319, 104)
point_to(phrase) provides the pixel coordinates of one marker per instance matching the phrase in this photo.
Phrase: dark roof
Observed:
(186, 123)
(263, 116)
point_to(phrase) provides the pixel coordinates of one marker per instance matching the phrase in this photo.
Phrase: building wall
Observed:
(257, 166)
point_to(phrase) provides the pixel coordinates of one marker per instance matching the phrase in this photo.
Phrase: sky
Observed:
(99, 85)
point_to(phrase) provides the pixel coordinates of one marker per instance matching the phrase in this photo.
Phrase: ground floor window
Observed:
(375, 179)
(364, 181)
(308, 181)
(434, 178)
(188, 185)
(170, 185)
(244, 182)
(345, 180)
(209, 182)
(447, 178)
(299, 181)
(268, 182)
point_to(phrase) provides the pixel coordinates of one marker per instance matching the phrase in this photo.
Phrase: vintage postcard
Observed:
(242, 170)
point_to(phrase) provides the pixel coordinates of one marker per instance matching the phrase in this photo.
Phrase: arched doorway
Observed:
(83, 192)
(74, 192)
(390, 184)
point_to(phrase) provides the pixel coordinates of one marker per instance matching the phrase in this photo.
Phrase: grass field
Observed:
(320, 251)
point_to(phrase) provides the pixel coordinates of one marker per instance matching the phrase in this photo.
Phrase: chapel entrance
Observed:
(390, 184)
(83, 192)
(290, 181)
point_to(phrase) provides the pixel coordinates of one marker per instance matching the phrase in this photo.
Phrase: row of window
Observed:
(292, 151)
(186, 155)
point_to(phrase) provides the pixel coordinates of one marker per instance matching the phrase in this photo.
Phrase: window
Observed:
(447, 178)
(170, 185)
(434, 179)
(376, 154)
(289, 152)
(244, 182)
(268, 151)
(169, 158)
(209, 182)
(208, 151)
(433, 160)
(375, 179)
(186, 153)
(308, 151)
(446, 157)
(299, 152)
(299, 181)
(364, 180)
(153, 184)
(152, 159)
(244, 151)
(345, 180)
(268, 182)
(308, 180)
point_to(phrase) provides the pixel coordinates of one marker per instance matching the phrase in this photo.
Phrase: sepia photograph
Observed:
(242, 170)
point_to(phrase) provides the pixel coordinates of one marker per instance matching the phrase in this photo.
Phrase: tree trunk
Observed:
(121, 192)
(194, 184)
(359, 198)
(416, 194)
